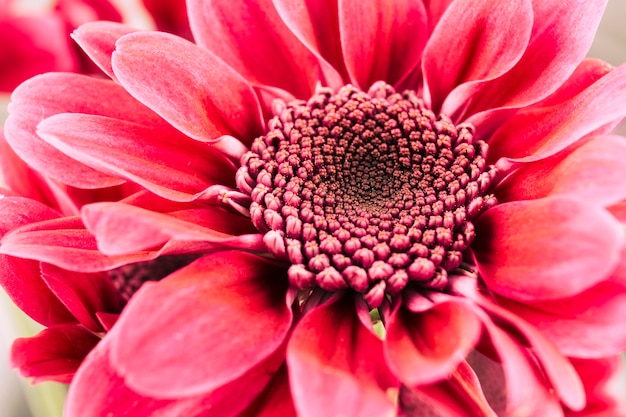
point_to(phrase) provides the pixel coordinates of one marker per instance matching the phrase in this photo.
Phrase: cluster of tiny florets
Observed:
(369, 191)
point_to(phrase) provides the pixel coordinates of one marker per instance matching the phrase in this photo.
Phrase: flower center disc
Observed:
(369, 191)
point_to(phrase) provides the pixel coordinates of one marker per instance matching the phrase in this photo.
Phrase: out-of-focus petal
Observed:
(423, 348)
(345, 368)
(252, 38)
(382, 40)
(603, 379)
(546, 249)
(229, 309)
(209, 99)
(54, 354)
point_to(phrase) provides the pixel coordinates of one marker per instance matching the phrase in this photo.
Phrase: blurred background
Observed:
(20, 399)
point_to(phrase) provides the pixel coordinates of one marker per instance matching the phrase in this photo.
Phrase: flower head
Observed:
(360, 208)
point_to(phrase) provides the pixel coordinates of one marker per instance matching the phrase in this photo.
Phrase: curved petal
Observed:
(316, 24)
(275, 400)
(451, 58)
(336, 366)
(251, 37)
(109, 224)
(97, 40)
(538, 133)
(603, 379)
(546, 249)
(54, 93)
(83, 295)
(208, 100)
(382, 40)
(588, 325)
(562, 35)
(160, 159)
(54, 354)
(229, 309)
(593, 172)
(424, 348)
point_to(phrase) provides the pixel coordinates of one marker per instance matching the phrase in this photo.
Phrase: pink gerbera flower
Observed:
(370, 209)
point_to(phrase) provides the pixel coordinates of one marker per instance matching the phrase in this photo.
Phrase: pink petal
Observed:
(97, 390)
(251, 38)
(538, 133)
(336, 366)
(592, 172)
(162, 160)
(316, 24)
(275, 400)
(424, 348)
(83, 294)
(54, 354)
(546, 249)
(451, 58)
(603, 379)
(228, 309)
(589, 325)
(562, 34)
(21, 279)
(97, 40)
(382, 40)
(435, 9)
(65, 243)
(209, 99)
(53, 93)
(109, 222)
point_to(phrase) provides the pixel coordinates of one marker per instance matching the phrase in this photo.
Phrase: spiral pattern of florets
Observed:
(369, 191)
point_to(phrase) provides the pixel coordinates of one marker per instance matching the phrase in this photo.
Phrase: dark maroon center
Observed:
(369, 191)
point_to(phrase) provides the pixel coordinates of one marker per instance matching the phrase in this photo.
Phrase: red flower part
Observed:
(360, 209)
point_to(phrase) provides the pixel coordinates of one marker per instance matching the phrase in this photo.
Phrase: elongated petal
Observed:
(316, 24)
(523, 139)
(562, 35)
(252, 38)
(160, 159)
(109, 223)
(588, 325)
(451, 58)
(382, 40)
(97, 389)
(275, 401)
(98, 39)
(54, 354)
(229, 309)
(208, 100)
(603, 379)
(336, 366)
(593, 172)
(546, 249)
(82, 294)
(53, 93)
(426, 347)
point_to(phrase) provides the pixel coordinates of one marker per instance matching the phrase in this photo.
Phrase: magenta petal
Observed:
(534, 134)
(336, 366)
(98, 39)
(316, 24)
(160, 159)
(451, 58)
(54, 354)
(209, 99)
(593, 172)
(562, 35)
(424, 348)
(251, 37)
(109, 223)
(603, 379)
(546, 249)
(382, 40)
(83, 294)
(229, 309)
(588, 325)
